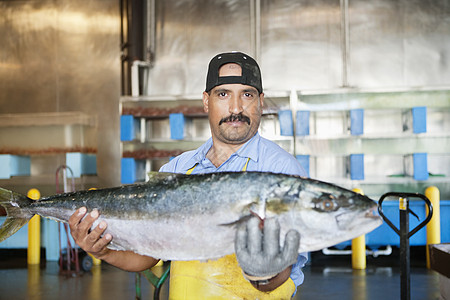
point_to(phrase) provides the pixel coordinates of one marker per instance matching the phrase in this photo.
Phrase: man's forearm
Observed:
(128, 260)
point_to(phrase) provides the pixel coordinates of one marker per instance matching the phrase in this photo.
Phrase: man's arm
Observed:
(92, 242)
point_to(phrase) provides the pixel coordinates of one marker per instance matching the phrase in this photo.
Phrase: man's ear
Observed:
(205, 101)
(261, 99)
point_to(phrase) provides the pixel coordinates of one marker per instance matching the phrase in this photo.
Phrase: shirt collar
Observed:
(248, 150)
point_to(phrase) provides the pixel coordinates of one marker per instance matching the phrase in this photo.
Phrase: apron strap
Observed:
(191, 169)
(189, 172)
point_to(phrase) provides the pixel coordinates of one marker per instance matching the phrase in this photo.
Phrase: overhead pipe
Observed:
(255, 28)
(151, 31)
(345, 41)
(132, 36)
(135, 33)
(125, 80)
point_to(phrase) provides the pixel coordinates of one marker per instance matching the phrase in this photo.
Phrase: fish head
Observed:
(326, 215)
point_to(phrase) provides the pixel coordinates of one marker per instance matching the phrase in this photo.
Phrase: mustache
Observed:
(234, 117)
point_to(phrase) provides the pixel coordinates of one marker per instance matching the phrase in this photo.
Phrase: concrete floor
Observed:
(326, 278)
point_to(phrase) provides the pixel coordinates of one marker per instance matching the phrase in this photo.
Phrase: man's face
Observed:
(234, 109)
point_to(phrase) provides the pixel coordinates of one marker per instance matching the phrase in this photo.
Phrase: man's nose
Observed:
(236, 106)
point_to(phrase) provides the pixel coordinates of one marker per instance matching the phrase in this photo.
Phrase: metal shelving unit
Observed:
(401, 136)
(35, 144)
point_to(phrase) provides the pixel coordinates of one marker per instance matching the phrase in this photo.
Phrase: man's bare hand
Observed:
(89, 240)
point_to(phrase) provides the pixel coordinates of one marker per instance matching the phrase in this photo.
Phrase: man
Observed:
(233, 99)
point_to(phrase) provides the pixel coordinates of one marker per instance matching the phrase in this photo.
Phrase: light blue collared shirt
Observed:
(264, 155)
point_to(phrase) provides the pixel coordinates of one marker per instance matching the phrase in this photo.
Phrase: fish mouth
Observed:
(372, 213)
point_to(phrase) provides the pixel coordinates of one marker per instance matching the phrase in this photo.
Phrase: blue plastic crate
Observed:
(81, 163)
(357, 121)
(286, 122)
(14, 165)
(420, 163)
(129, 128)
(357, 166)
(302, 125)
(177, 125)
(419, 119)
(304, 161)
(133, 170)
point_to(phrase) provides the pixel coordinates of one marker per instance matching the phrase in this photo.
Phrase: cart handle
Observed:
(406, 195)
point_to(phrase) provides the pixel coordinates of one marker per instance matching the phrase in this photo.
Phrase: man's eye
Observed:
(223, 94)
(248, 95)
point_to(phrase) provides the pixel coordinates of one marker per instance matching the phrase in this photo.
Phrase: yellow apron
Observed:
(218, 279)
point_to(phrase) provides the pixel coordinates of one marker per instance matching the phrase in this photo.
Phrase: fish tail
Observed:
(16, 217)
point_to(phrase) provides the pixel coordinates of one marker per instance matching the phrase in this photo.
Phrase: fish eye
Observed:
(325, 203)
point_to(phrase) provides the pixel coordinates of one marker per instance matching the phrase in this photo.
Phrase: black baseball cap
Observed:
(251, 74)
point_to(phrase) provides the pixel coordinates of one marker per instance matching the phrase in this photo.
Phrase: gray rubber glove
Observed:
(258, 251)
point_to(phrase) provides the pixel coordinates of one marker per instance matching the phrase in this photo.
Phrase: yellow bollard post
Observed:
(434, 226)
(95, 261)
(359, 247)
(34, 233)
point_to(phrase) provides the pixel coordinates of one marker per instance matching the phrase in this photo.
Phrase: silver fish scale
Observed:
(191, 217)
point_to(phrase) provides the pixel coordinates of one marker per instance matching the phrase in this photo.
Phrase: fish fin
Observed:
(11, 226)
(238, 221)
(248, 207)
(15, 218)
(158, 176)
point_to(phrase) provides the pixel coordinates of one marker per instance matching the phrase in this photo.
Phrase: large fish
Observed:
(194, 217)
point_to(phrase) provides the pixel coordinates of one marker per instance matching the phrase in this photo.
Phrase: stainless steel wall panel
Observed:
(300, 44)
(376, 44)
(305, 45)
(399, 43)
(59, 56)
(28, 37)
(188, 34)
(427, 43)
